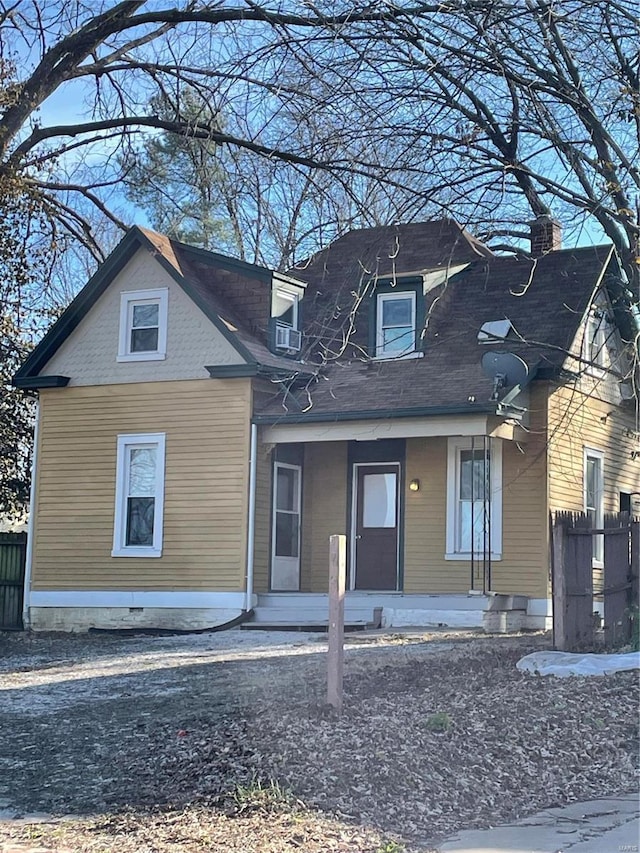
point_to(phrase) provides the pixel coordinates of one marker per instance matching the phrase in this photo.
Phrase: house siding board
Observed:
(524, 564)
(205, 513)
(262, 553)
(524, 568)
(325, 491)
(89, 355)
(578, 421)
(425, 569)
(306, 534)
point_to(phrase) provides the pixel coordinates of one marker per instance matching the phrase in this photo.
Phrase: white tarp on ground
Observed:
(563, 664)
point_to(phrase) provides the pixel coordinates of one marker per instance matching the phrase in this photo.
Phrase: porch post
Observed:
(335, 657)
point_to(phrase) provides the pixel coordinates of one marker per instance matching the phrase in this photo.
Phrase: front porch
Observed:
(426, 544)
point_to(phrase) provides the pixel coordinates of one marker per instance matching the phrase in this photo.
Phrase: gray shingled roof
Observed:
(544, 299)
(202, 280)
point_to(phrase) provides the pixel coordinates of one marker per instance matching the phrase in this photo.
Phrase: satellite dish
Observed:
(505, 369)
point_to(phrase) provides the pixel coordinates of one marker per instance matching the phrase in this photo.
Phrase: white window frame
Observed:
(455, 446)
(293, 297)
(596, 333)
(130, 298)
(598, 539)
(390, 297)
(126, 443)
(297, 510)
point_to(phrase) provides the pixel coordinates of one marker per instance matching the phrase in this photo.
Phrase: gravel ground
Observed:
(222, 741)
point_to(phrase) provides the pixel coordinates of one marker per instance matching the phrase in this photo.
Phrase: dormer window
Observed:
(143, 325)
(285, 308)
(285, 318)
(396, 307)
(396, 327)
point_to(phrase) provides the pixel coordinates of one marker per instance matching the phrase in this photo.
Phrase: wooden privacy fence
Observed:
(573, 573)
(13, 548)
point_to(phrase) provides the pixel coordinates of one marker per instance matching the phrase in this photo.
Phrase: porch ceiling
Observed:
(370, 430)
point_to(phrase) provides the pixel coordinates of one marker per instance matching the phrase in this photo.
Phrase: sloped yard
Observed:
(222, 741)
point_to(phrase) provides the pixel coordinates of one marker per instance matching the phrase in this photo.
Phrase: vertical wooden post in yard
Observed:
(337, 582)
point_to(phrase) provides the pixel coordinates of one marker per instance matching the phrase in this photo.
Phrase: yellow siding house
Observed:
(204, 425)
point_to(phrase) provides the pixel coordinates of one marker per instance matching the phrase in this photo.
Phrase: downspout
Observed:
(251, 526)
(26, 616)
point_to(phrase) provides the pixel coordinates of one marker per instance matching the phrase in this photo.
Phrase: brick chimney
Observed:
(546, 235)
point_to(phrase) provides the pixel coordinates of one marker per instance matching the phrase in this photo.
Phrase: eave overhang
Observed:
(36, 382)
(374, 414)
(237, 371)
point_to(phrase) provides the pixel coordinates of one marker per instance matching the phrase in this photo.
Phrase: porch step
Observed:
(309, 615)
(308, 611)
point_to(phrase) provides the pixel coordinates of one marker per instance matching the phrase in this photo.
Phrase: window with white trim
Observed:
(595, 339)
(474, 498)
(285, 320)
(285, 307)
(594, 498)
(137, 530)
(143, 325)
(395, 324)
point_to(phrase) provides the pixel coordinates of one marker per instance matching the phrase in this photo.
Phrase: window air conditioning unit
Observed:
(288, 338)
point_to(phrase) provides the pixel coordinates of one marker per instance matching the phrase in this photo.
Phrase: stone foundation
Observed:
(504, 621)
(81, 619)
(407, 617)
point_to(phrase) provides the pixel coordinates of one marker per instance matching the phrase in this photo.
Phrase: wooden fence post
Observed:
(558, 585)
(634, 574)
(572, 582)
(617, 621)
(337, 581)
(579, 571)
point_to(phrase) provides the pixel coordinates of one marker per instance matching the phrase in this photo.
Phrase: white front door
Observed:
(285, 535)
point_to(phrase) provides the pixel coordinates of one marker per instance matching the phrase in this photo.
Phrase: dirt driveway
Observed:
(440, 732)
(68, 704)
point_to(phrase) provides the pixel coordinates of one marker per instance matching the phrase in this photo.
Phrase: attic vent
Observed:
(493, 331)
(288, 338)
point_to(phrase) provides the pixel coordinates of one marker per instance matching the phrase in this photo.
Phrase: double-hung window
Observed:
(595, 342)
(285, 307)
(139, 496)
(594, 498)
(285, 318)
(143, 325)
(474, 498)
(395, 324)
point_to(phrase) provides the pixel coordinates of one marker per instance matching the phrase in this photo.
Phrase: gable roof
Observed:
(181, 263)
(545, 300)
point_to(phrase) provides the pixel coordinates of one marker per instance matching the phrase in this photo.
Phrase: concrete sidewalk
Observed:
(611, 825)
